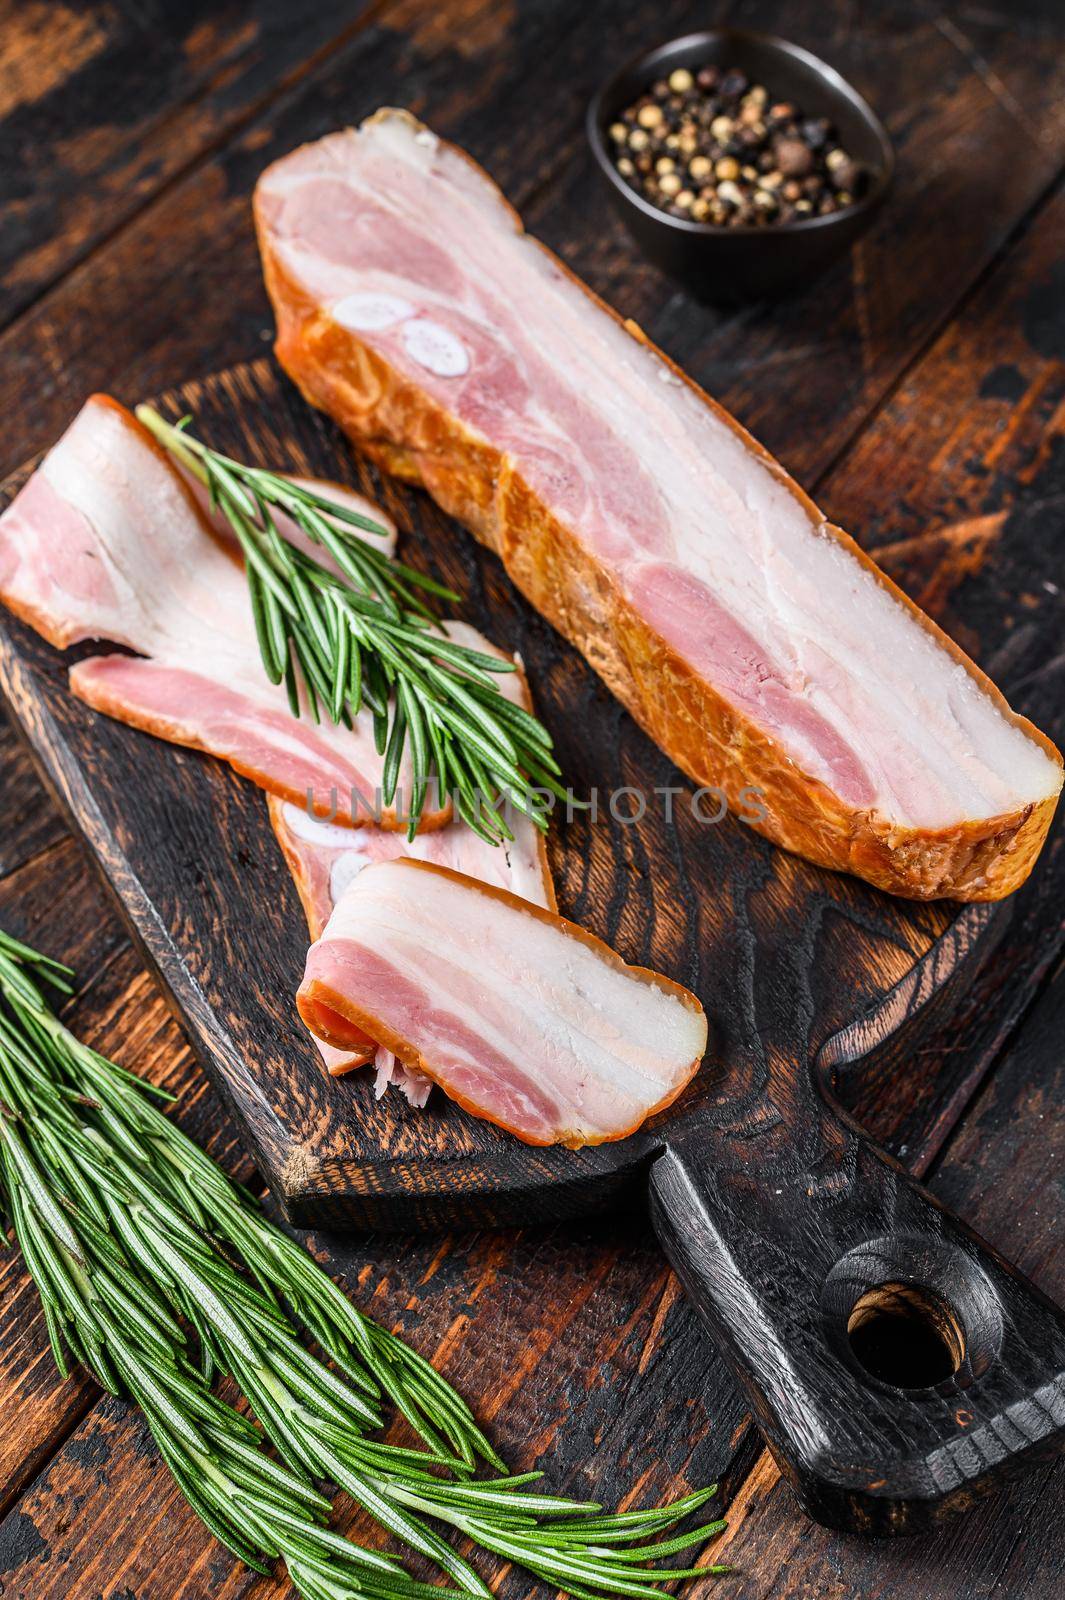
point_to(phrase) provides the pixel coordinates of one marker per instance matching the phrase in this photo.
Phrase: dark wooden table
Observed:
(918, 390)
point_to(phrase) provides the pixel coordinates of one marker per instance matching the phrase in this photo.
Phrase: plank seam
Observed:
(224, 137)
(45, 850)
(1048, 970)
(33, 1468)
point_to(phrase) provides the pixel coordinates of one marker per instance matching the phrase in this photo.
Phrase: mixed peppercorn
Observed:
(711, 147)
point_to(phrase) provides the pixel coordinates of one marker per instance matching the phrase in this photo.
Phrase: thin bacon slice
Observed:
(521, 1017)
(324, 858)
(754, 641)
(106, 541)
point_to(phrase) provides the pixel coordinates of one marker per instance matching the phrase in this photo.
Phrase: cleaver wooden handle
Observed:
(897, 1366)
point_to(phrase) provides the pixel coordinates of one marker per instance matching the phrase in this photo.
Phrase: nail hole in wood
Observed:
(905, 1335)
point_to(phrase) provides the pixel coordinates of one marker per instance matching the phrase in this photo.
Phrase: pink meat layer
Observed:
(324, 859)
(521, 1017)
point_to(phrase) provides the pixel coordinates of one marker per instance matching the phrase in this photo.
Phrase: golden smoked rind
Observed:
(413, 437)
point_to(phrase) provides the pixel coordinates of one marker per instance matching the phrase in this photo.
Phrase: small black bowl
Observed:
(730, 265)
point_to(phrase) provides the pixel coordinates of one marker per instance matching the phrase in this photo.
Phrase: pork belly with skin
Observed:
(107, 542)
(521, 1017)
(324, 859)
(754, 641)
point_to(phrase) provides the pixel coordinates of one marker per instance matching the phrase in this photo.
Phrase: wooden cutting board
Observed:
(779, 1216)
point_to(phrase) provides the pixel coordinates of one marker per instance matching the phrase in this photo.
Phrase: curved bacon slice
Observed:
(106, 541)
(323, 860)
(755, 642)
(520, 1016)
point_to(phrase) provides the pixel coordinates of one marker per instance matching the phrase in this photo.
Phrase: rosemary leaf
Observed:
(362, 629)
(155, 1272)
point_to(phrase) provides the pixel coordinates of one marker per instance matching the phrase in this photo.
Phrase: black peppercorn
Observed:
(815, 132)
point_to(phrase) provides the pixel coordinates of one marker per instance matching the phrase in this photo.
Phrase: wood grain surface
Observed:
(781, 953)
(917, 390)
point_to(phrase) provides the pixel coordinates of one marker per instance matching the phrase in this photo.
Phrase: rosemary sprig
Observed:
(101, 1313)
(363, 633)
(130, 1233)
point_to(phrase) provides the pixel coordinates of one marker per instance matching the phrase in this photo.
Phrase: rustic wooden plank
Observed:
(31, 820)
(971, 475)
(669, 1317)
(517, 103)
(102, 105)
(535, 1317)
(104, 1518)
(86, 934)
(41, 1412)
(1006, 1162)
(192, 254)
(970, 428)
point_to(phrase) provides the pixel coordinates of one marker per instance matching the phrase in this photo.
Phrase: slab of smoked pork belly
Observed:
(106, 541)
(523, 1018)
(752, 640)
(324, 858)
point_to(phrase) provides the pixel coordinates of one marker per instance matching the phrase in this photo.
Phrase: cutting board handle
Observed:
(895, 1364)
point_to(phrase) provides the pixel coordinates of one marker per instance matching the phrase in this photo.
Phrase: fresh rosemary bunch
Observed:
(363, 633)
(157, 1273)
(105, 1315)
